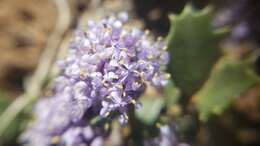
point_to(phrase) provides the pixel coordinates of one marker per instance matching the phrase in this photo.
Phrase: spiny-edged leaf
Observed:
(171, 94)
(229, 78)
(193, 46)
(150, 110)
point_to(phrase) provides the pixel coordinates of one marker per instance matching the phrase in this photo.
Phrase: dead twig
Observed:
(35, 83)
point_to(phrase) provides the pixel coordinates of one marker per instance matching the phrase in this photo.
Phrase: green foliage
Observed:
(193, 46)
(11, 134)
(229, 78)
(151, 109)
(171, 94)
(3, 102)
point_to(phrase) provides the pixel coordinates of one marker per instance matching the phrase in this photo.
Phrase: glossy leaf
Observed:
(171, 94)
(229, 78)
(193, 46)
(150, 110)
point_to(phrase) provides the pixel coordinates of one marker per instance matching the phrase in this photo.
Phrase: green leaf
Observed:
(3, 103)
(151, 109)
(11, 134)
(193, 46)
(229, 78)
(171, 94)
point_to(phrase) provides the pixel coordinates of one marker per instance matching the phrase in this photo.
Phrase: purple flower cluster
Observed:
(82, 136)
(54, 126)
(110, 65)
(242, 16)
(107, 68)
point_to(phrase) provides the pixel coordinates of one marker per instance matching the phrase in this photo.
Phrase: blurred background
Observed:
(26, 26)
